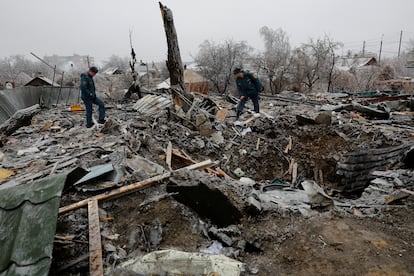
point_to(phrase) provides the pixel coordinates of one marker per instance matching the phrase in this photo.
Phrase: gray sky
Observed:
(100, 28)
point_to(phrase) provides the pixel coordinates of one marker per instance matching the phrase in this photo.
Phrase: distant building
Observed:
(113, 71)
(41, 81)
(194, 82)
(67, 63)
(355, 63)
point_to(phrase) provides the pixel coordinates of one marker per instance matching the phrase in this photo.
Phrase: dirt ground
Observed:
(331, 243)
(276, 242)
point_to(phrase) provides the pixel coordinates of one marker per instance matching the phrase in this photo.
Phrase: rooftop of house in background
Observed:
(113, 71)
(41, 81)
(346, 63)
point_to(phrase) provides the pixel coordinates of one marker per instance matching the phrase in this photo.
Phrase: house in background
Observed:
(113, 71)
(356, 63)
(193, 82)
(41, 81)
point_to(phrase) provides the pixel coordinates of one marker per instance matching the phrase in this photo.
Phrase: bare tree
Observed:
(387, 72)
(305, 67)
(315, 61)
(275, 57)
(344, 81)
(11, 67)
(216, 61)
(400, 65)
(331, 61)
(367, 77)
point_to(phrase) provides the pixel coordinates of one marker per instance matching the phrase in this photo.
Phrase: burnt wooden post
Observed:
(174, 63)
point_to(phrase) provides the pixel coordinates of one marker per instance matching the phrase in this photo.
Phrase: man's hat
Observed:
(237, 70)
(93, 69)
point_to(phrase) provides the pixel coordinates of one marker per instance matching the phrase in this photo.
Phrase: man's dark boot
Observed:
(238, 114)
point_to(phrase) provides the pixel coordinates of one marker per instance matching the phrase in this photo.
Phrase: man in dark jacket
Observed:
(88, 95)
(248, 86)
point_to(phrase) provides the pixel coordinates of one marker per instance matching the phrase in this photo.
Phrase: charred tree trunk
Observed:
(174, 63)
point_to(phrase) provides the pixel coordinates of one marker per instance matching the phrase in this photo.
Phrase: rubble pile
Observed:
(269, 184)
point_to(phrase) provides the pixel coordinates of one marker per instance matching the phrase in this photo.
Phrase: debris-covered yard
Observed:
(314, 185)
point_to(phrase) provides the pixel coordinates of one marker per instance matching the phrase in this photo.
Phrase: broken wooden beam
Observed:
(294, 173)
(95, 244)
(188, 160)
(169, 155)
(396, 196)
(289, 145)
(22, 117)
(132, 187)
(222, 114)
(407, 191)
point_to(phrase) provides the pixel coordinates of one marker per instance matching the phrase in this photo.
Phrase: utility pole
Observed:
(379, 57)
(363, 49)
(399, 46)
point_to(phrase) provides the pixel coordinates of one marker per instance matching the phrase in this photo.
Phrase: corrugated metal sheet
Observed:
(28, 215)
(22, 97)
(95, 172)
(152, 105)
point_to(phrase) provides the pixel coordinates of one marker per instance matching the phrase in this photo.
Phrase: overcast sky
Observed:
(100, 28)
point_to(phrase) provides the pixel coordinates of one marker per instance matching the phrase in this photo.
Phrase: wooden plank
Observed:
(289, 145)
(258, 143)
(320, 177)
(95, 245)
(266, 115)
(396, 196)
(248, 120)
(132, 187)
(294, 173)
(169, 155)
(223, 173)
(188, 160)
(221, 114)
(120, 191)
(407, 191)
(292, 162)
